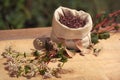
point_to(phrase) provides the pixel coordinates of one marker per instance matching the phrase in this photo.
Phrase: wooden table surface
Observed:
(106, 66)
(24, 33)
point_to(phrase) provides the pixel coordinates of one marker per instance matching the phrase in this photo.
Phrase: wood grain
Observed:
(106, 66)
(24, 33)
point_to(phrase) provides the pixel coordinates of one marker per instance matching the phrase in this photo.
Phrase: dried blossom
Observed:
(47, 75)
(19, 64)
(104, 23)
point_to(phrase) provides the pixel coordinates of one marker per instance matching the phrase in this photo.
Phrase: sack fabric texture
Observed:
(62, 32)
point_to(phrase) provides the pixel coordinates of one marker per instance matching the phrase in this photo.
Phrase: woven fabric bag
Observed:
(61, 33)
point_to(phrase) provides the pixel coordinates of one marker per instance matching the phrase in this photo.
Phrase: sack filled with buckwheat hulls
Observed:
(71, 27)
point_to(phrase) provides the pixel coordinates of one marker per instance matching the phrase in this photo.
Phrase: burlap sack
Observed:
(61, 32)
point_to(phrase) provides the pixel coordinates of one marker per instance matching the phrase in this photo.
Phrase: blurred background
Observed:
(15, 14)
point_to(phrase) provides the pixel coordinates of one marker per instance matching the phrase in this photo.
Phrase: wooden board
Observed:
(106, 66)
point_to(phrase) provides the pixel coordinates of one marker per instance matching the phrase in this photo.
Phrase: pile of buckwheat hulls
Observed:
(69, 20)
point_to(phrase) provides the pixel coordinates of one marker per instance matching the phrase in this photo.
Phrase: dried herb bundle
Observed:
(103, 24)
(70, 20)
(19, 64)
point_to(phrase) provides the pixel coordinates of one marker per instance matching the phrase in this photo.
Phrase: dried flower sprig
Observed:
(22, 64)
(103, 24)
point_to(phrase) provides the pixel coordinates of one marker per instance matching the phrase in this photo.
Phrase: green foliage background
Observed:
(16, 14)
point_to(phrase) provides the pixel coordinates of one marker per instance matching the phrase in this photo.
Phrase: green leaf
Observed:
(59, 45)
(42, 72)
(27, 69)
(36, 54)
(63, 59)
(19, 71)
(94, 38)
(60, 53)
(117, 27)
(46, 58)
(104, 35)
